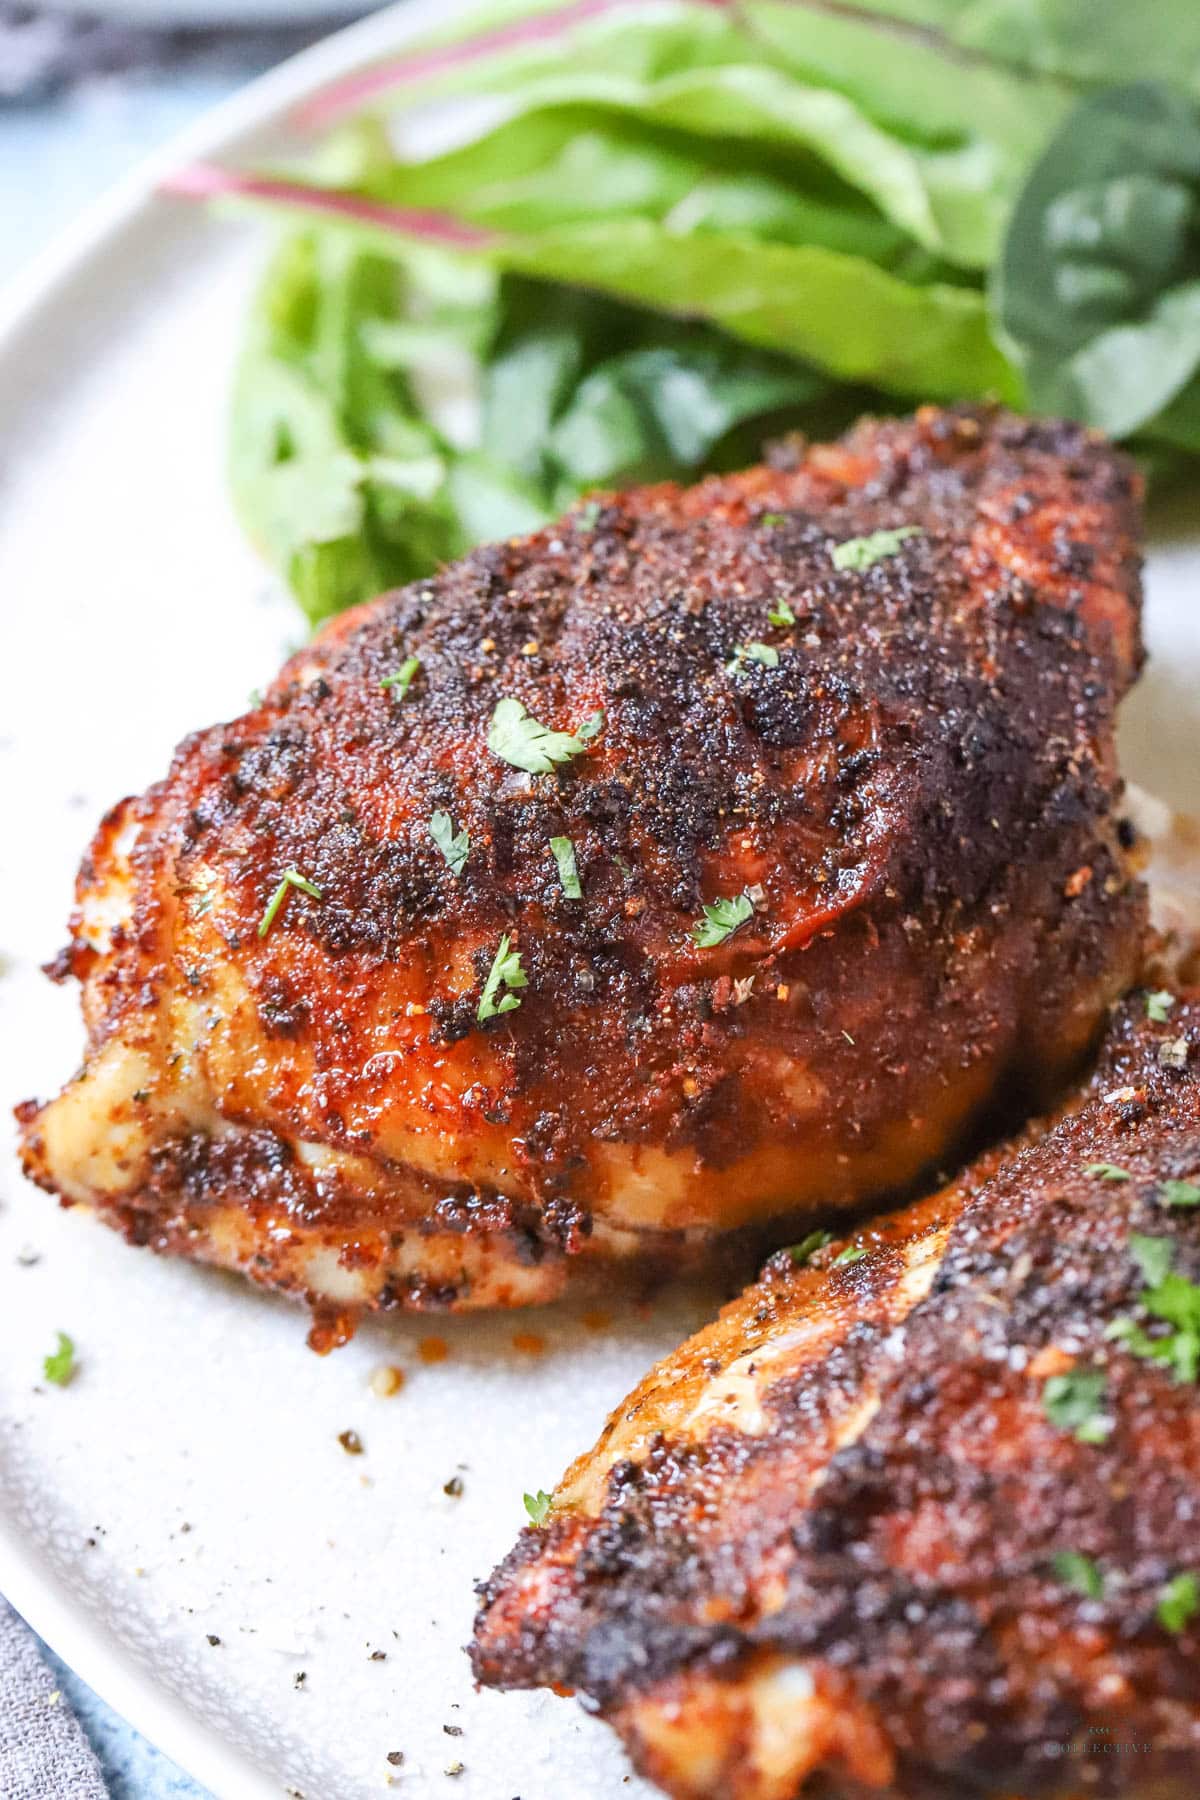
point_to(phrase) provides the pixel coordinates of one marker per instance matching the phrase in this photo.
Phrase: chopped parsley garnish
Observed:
(852, 1254)
(803, 1252)
(59, 1366)
(588, 516)
(865, 552)
(592, 726)
(568, 873)
(1108, 1172)
(506, 971)
(205, 891)
(517, 737)
(1075, 1403)
(538, 1505)
(781, 614)
(1158, 1006)
(755, 652)
(1079, 1572)
(453, 845)
(721, 919)
(772, 519)
(1179, 1193)
(292, 879)
(402, 678)
(1178, 1602)
(1170, 1298)
(1152, 1255)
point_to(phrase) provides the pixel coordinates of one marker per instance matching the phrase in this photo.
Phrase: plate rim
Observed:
(41, 1595)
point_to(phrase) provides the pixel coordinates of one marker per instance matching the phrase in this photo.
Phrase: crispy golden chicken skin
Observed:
(923, 1518)
(888, 768)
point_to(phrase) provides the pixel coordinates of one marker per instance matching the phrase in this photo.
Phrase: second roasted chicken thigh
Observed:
(706, 859)
(918, 1517)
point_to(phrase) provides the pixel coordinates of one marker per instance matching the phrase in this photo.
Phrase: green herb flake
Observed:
(1153, 1256)
(592, 726)
(59, 1366)
(772, 520)
(803, 1252)
(402, 678)
(588, 516)
(204, 893)
(1169, 1298)
(1075, 1403)
(453, 845)
(1079, 1572)
(765, 654)
(1159, 1005)
(292, 879)
(1179, 1193)
(516, 737)
(1108, 1171)
(721, 919)
(852, 1254)
(781, 614)
(864, 552)
(506, 971)
(568, 872)
(754, 652)
(1178, 1602)
(538, 1505)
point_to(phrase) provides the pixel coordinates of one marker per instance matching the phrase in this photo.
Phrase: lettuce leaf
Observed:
(351, 475)
(843, 313)
(664, 229)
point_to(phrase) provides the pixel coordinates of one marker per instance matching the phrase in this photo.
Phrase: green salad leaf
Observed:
(1098, 288)
(562, 391)
(336, 475)
(662, 235)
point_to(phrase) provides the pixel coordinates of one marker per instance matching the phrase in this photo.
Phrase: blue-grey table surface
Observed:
(81, 102)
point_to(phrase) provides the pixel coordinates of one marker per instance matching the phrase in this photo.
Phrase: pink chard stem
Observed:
(206, 181)
(352, 93)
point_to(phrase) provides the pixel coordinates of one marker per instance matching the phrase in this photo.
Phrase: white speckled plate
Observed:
(189, 1484)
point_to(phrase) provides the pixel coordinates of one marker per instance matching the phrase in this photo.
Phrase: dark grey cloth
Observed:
(43, 1753)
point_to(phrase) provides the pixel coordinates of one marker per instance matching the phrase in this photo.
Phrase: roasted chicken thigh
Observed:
(706, 859)
(919, 1514)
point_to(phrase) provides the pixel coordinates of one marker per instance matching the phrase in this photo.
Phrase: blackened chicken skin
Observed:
(910, 771)
(924, 1523)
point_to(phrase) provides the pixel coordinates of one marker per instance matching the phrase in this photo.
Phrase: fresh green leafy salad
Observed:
(660, 233)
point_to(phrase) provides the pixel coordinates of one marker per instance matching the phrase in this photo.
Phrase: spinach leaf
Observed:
(583, 391)
(653, 412)
(1098, 289)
